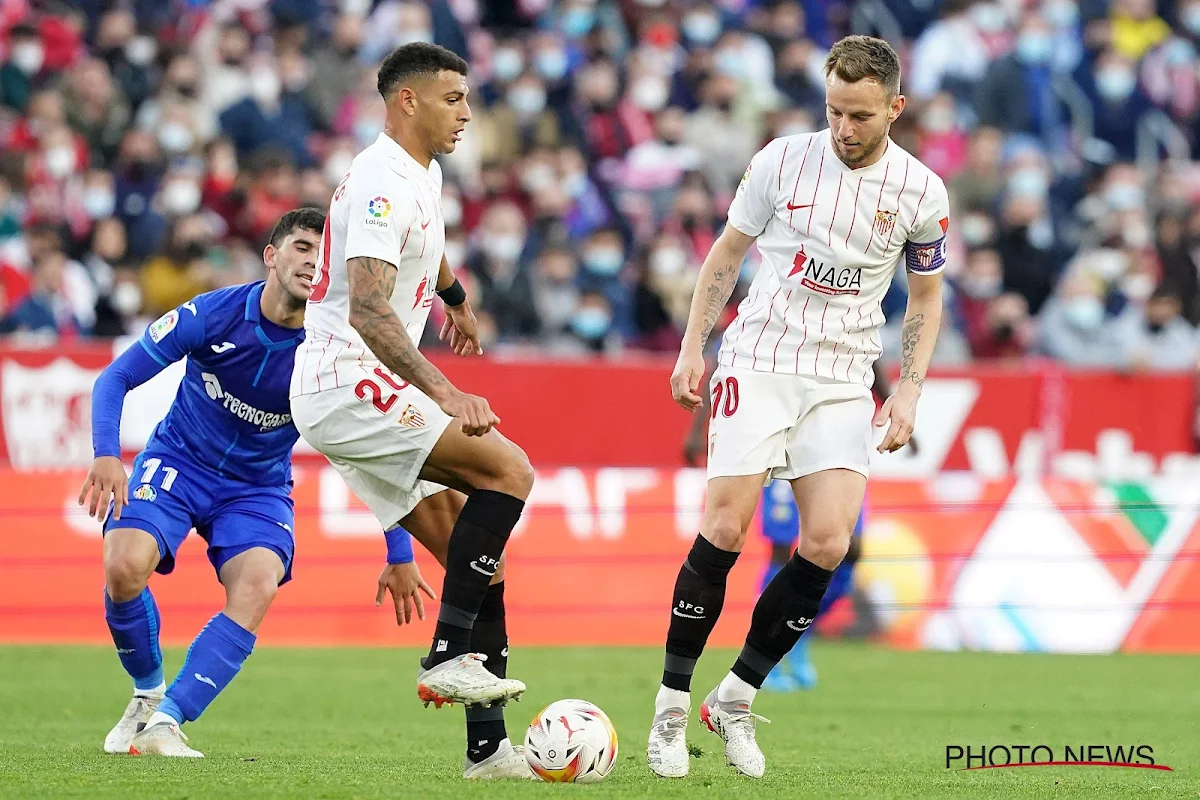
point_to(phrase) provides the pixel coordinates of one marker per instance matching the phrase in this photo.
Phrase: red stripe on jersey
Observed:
(812, 206)
(324, 347)
(786, 300)
(854, 213)
(779, 177)
(770, 311)
(304, 369)
(405, 242)
(829, 233)
(345, 347)
(833, 366)
(886, 167)
(861, 334)
(919, 201)
(823, 337)
(803, 330)
(798, 174)
(898, 195)
(738, 339)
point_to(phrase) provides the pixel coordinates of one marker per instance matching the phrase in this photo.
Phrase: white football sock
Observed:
(733, 689)
(156, 693)
(671, 698)
(159, 716)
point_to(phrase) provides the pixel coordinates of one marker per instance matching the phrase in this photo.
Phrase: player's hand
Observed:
(405, 583)
(901, 410)
(106, 481)
(460, 327)
(686, 378)
(473, 412)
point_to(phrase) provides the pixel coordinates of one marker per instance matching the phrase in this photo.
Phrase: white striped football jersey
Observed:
(387, 207)
(830, 239)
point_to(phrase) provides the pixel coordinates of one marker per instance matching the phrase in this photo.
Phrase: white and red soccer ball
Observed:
(571, 741)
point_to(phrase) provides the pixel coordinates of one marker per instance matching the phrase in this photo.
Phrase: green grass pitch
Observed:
(332, 723)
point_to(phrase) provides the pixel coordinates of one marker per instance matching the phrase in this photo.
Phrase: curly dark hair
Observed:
(416, 59)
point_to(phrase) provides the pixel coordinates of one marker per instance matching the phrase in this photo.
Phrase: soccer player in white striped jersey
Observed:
(833, 214)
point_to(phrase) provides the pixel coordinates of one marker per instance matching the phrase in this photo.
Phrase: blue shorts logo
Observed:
(145, 492)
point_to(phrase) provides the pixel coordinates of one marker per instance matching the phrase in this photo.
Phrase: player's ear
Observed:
(898, 103)
(269, 253)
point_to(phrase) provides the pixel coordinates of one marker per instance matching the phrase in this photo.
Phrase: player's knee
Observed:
(125, 577)
(824, 546)
(724, 530)
(249, 600)
(517, 476)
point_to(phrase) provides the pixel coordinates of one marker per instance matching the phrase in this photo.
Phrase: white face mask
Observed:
(650, 94)
(181, 197)
(265, 86)
(507, 64)
(451, 213)
(504, 247)
(175, 137)
(336, 167)
(1137, 287)
(668, 261)
(99, 202)
(141, 50)
(126, 299)
(60, 161)
(28, 57)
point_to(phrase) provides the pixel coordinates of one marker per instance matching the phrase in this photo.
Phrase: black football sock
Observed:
(782, 614)
(476, 544)
(695, 607)
(485, 726)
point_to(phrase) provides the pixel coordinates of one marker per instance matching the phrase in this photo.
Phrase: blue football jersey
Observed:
(231, 413)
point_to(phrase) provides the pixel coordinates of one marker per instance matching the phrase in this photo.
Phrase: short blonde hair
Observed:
(857, 57)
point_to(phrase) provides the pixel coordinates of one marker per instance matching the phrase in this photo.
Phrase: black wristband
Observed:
(454, 294)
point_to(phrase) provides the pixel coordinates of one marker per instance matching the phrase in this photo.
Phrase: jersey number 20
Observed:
(369, 387)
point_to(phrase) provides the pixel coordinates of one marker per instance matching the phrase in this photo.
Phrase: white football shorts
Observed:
(378, 439)
(788, 426)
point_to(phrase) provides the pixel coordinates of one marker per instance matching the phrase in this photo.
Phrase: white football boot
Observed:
(139, 711)
(734, 723)
(162, 739)
(667, 751)
(507, 763)
(465, 680)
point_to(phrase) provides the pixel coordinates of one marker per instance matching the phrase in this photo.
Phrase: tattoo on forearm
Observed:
(716, 295)
(909, 337)
(371, 283)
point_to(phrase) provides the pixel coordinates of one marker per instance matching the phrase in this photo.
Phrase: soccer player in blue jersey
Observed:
(219, 462)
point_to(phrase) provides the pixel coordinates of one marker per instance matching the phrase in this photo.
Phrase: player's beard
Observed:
(867, 150)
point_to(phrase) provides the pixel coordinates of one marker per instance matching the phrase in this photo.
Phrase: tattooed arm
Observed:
(714, 285)
(371, 314)
(922, 319)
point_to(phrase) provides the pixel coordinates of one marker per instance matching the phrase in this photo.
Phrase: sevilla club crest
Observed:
(884, 222)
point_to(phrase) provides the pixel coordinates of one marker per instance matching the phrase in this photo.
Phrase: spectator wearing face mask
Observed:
(46, 310)
(1117, 102)
(1075, 328)
(97, 109)
(26, 56)
(125, 53)
(504, 285)
(949, 55)
(1157, 337)
(943, 142)
(268, 116)
(1008, 330)
(980, 282)
(117, 311)
(1026, 239)
(592, 323)
(180, 271)
(1016, 94)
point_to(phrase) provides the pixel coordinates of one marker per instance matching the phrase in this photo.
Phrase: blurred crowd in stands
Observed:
(147, 147)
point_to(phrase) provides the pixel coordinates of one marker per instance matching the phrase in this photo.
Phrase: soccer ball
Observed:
(571, 741)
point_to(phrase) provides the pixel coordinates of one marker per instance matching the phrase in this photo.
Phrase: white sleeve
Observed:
(925, 250)
(379, 214)
(754, 204)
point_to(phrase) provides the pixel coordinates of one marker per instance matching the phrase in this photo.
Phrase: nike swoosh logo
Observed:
(203, 679)
(223, 346)
(679, 613)
(425, 224)
(481, 570)
(802, 205)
